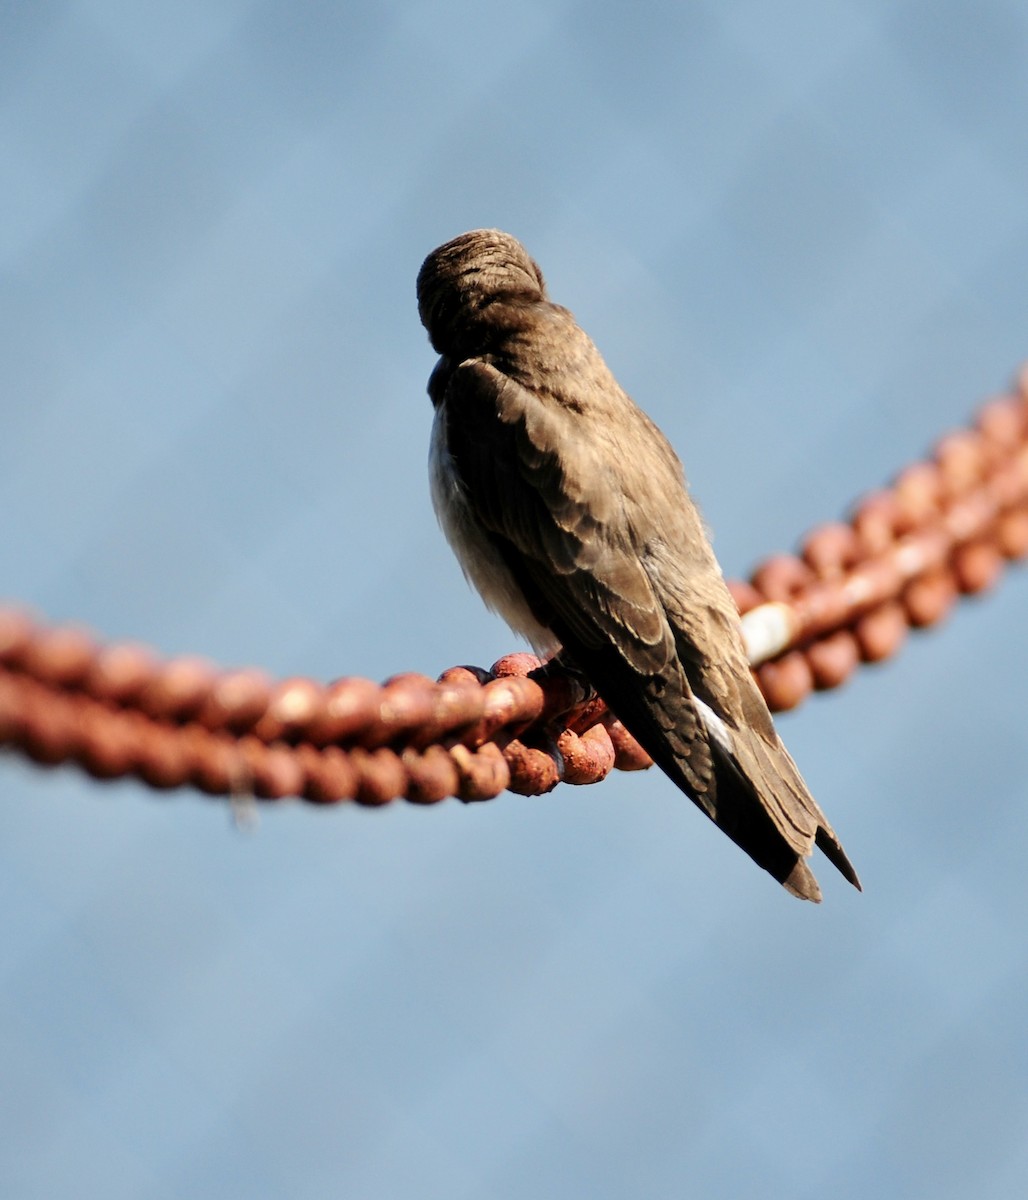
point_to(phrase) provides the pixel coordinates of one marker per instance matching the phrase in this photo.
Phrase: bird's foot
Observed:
(570, 697)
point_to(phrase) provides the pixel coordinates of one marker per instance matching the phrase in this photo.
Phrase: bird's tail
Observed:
(762, 803)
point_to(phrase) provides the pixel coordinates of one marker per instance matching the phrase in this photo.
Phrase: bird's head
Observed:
(461, 279)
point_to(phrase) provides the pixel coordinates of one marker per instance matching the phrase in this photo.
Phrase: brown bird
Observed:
(569, 512)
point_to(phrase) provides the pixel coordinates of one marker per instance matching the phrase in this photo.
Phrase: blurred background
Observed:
(799, 233)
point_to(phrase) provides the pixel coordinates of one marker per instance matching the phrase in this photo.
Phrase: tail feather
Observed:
(831, 848)
(779, 821)
(739, 808)
(742, 778)
(800, 882)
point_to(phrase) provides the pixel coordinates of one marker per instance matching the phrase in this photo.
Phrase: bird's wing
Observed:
(712, 654)
(559, 528)
(630, 586)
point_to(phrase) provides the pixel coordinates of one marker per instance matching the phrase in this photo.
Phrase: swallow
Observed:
(569, 512)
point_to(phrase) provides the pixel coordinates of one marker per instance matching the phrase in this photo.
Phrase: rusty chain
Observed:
(944, 528)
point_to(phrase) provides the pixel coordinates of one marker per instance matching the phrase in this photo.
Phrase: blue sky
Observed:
(798, 233)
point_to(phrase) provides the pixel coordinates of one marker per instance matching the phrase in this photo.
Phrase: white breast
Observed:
(480, 561)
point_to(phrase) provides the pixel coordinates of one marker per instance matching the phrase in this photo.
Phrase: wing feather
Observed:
(633, 592)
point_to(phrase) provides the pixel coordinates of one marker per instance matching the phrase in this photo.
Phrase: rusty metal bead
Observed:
(881, 632)
(237, 700)
(976, 566)
(329, 776)
(119, 672)
(406, 703)
(1002, 422)
(281, 775)
(918, 490)
(349, 707)
(929, 598)
(380, 776)
(1019, 465)
(533, 772)
(107, 742)
(1007, 485)
(921, 553)
(16, 631)
(873, 583)
(459, 704)
(11, 706)
(449, 707)
(215, 763)
(465, 674)
(972, 516)
(49, 729)
(961, 459)
(628, 754)
(162, 759)
(513, 701)
(269, 772)
(1012, 534)
(781, 577)
(588, 757)
(830, 548)
(481, 774)
(249, 769)
(875, 521)
(431, 775)
(574, 758)
(467, 683)
(60, 656)
(822, 607)
(517, 664)
(833, 659)
(786, 681)
(294, 705)
(178, 688)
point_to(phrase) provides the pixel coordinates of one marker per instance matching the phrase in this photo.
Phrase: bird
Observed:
(569, 512)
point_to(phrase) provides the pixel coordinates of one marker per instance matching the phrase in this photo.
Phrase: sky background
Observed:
(799, 234)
